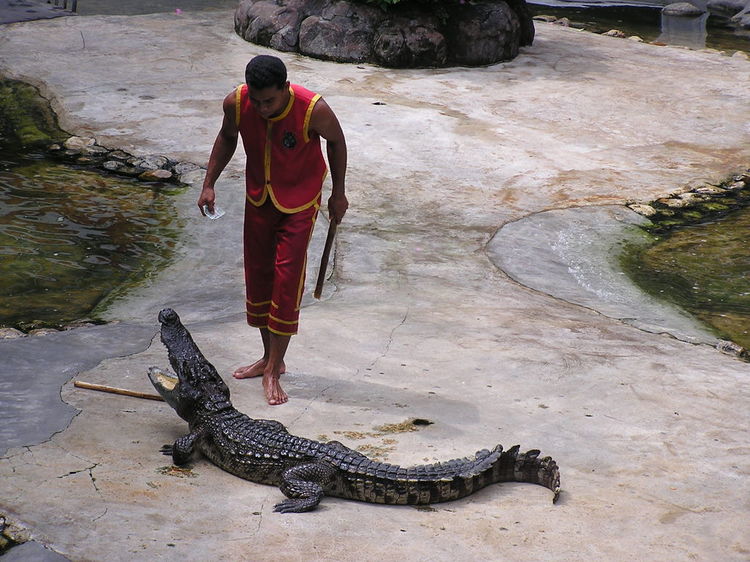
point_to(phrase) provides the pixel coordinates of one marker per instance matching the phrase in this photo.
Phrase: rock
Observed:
(740, 55)
(267, 23)
(565, 22)
(155, 175)
(78, 143)
(525, 20)
(482, 32)
(152, 162)
(742, 19)
(673, 203)
(476, 33)
(693, 198)
(724, 10)
(343, 32)
(94, 150)
(546, 19)
(615, 33)
(682, 9)
(129, 171)
(189, 173)
(711, 190)
(120, 155)
(726, 6)
(644, 210)
(185, 167)
(112, 165)
(193, 178)
(635, 39)
(730, 13)
(403, 42)
(731, 348)
(736, 186)
(13, 533)
(274, 24)
(10, 333)
(42, 331)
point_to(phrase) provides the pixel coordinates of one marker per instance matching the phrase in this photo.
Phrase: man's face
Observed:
(269, 102)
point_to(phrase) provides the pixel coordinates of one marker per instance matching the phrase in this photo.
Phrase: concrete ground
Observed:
(650, 432)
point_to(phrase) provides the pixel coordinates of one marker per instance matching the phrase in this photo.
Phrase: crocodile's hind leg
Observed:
(303, 485)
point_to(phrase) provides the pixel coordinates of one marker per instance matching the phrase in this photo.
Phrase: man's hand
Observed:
(337, 206)
(207, 197)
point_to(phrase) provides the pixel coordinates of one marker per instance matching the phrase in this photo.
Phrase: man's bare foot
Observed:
(250, 371)
(275, 395)
(254, 370)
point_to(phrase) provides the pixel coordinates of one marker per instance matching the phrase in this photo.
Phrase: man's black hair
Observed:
(265, 71)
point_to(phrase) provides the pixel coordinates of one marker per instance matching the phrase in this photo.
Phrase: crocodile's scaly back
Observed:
(306, 470)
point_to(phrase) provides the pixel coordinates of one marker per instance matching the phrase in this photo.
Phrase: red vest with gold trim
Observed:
(284, 160)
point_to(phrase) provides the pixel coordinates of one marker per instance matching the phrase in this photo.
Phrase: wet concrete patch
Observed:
(27, 10)
(572, 254)
(35, 368)
(32, 552)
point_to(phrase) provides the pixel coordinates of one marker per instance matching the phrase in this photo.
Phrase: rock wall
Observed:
(730, 13)
(471, 33)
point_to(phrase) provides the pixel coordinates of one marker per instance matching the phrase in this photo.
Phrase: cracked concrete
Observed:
(650, 431)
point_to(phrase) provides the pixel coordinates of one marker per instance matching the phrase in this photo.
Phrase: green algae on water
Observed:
(703, 268)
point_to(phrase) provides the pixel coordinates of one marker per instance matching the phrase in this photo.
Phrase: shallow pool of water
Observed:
(705, 269)
(69, 237)
(645, 20)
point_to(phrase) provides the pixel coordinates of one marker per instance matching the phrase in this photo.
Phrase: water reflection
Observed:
(68, 237)
(685, 31)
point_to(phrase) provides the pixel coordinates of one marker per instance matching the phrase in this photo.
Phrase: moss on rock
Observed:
(25, 117)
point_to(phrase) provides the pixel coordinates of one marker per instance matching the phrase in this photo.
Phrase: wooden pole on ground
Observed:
(114, 390)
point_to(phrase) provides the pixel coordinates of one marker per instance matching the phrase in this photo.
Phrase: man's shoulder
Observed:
(303, 93)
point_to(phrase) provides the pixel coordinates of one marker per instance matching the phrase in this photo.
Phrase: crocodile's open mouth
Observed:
(161, 380)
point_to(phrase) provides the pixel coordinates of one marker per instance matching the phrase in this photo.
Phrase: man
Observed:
(281, 125)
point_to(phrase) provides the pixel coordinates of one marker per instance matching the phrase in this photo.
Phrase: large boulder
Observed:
(482, 32)
(266, 22)
(410, 41)
(343, 31)
(414, 35)
(682, 9)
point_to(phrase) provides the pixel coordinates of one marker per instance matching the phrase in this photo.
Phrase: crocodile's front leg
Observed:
(182, 448)
(303, 485)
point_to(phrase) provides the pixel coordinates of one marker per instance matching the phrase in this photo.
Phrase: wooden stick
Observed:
(324, 259)
(114, 390)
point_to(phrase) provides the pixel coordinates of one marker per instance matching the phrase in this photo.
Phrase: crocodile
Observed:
(305, 470)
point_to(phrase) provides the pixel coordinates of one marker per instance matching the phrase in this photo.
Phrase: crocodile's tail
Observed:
(376, 482)
(512, 466)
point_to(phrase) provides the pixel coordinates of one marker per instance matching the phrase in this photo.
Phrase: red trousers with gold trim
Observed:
(275, 263)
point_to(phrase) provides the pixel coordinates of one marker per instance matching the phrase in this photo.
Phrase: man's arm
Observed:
(324, 122)
(221, 153)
